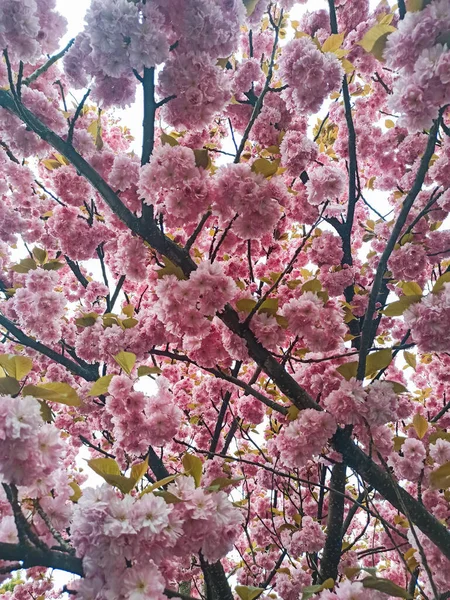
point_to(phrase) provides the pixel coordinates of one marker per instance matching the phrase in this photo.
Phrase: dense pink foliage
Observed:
(225, 364)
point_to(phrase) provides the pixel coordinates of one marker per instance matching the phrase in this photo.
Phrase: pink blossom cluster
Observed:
(351, 590)
(318, 325)
(183, 304)
(310, 538)
(438, 566)
(173, 184)
(310, 74)
(145, 532)
(297, 151)
(429, 321)
(410, 464)
(140, 420)
(325, 183)
(30, 28)
(418, 50)
(201, 89)
(29, 448)
(305, 437)
(326, 249)
(353, 404)
(37, 307)
(239, 191)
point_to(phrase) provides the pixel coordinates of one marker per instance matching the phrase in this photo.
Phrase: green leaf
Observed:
(100, 387)
(87, 320)
(396, 309)
(159, 484)
(59, 392)
(250, 5)
(265, 167)
(170, 269)
(399, 388)
(169, 498)
(282, 321)
(193, 466)
(245, 305)
(386, 586)
(25, 265)
(410, 359)
(311, 590)
(144, 370)
(46, 412)
(220, 483)
(269, 306)
(9, 386)
(411, 288)
(16, 366)
(313, 285)
(440, 478)
(110, 471)
(40, 255)
(333, 42)
(248, 592)
(130, 322)
(420, 425)
(378, 360)
(375, 39)
(201, 158)
(445, 278)
(348, 370)
(139, 470)
(125, 360)
(168, 139)
(77, 493)
(53, 265)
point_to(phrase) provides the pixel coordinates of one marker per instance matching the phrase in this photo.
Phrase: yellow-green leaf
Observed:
(410, 359)
(440, 478)
(375, 39)
(77, 493)
(193, 466)
(9, 386)
(130, 322)
(139, 470)
(245, 305)
(128, 310)
(348, 370)
(87, 320)
(168, 139)
(144, 370)
(51, 164)
(110, 471)
(220, 483)
(25, 265)
(248, 592)
(398, 440)
(386, 586)
(159, 484)
(201, 158)
(282, 321)
(411, 288)
(53, 265)
(55, 391)
(396, 309)
(269, 306)
(101, 386)
(399, 388)
(170, 269)
(125, 360)
(16, 366)
(265, 167)
(313, 285)
(333, 42)
(445, 278)
(389, 123)
(250, 6)
(414, 5)
(420, 425)
(378, 360)
(46, 412)
(40, 255)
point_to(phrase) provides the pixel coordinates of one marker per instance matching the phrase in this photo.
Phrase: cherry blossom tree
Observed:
(244, 331)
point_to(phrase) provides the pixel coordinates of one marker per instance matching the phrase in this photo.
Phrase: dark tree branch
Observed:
(46, 66)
